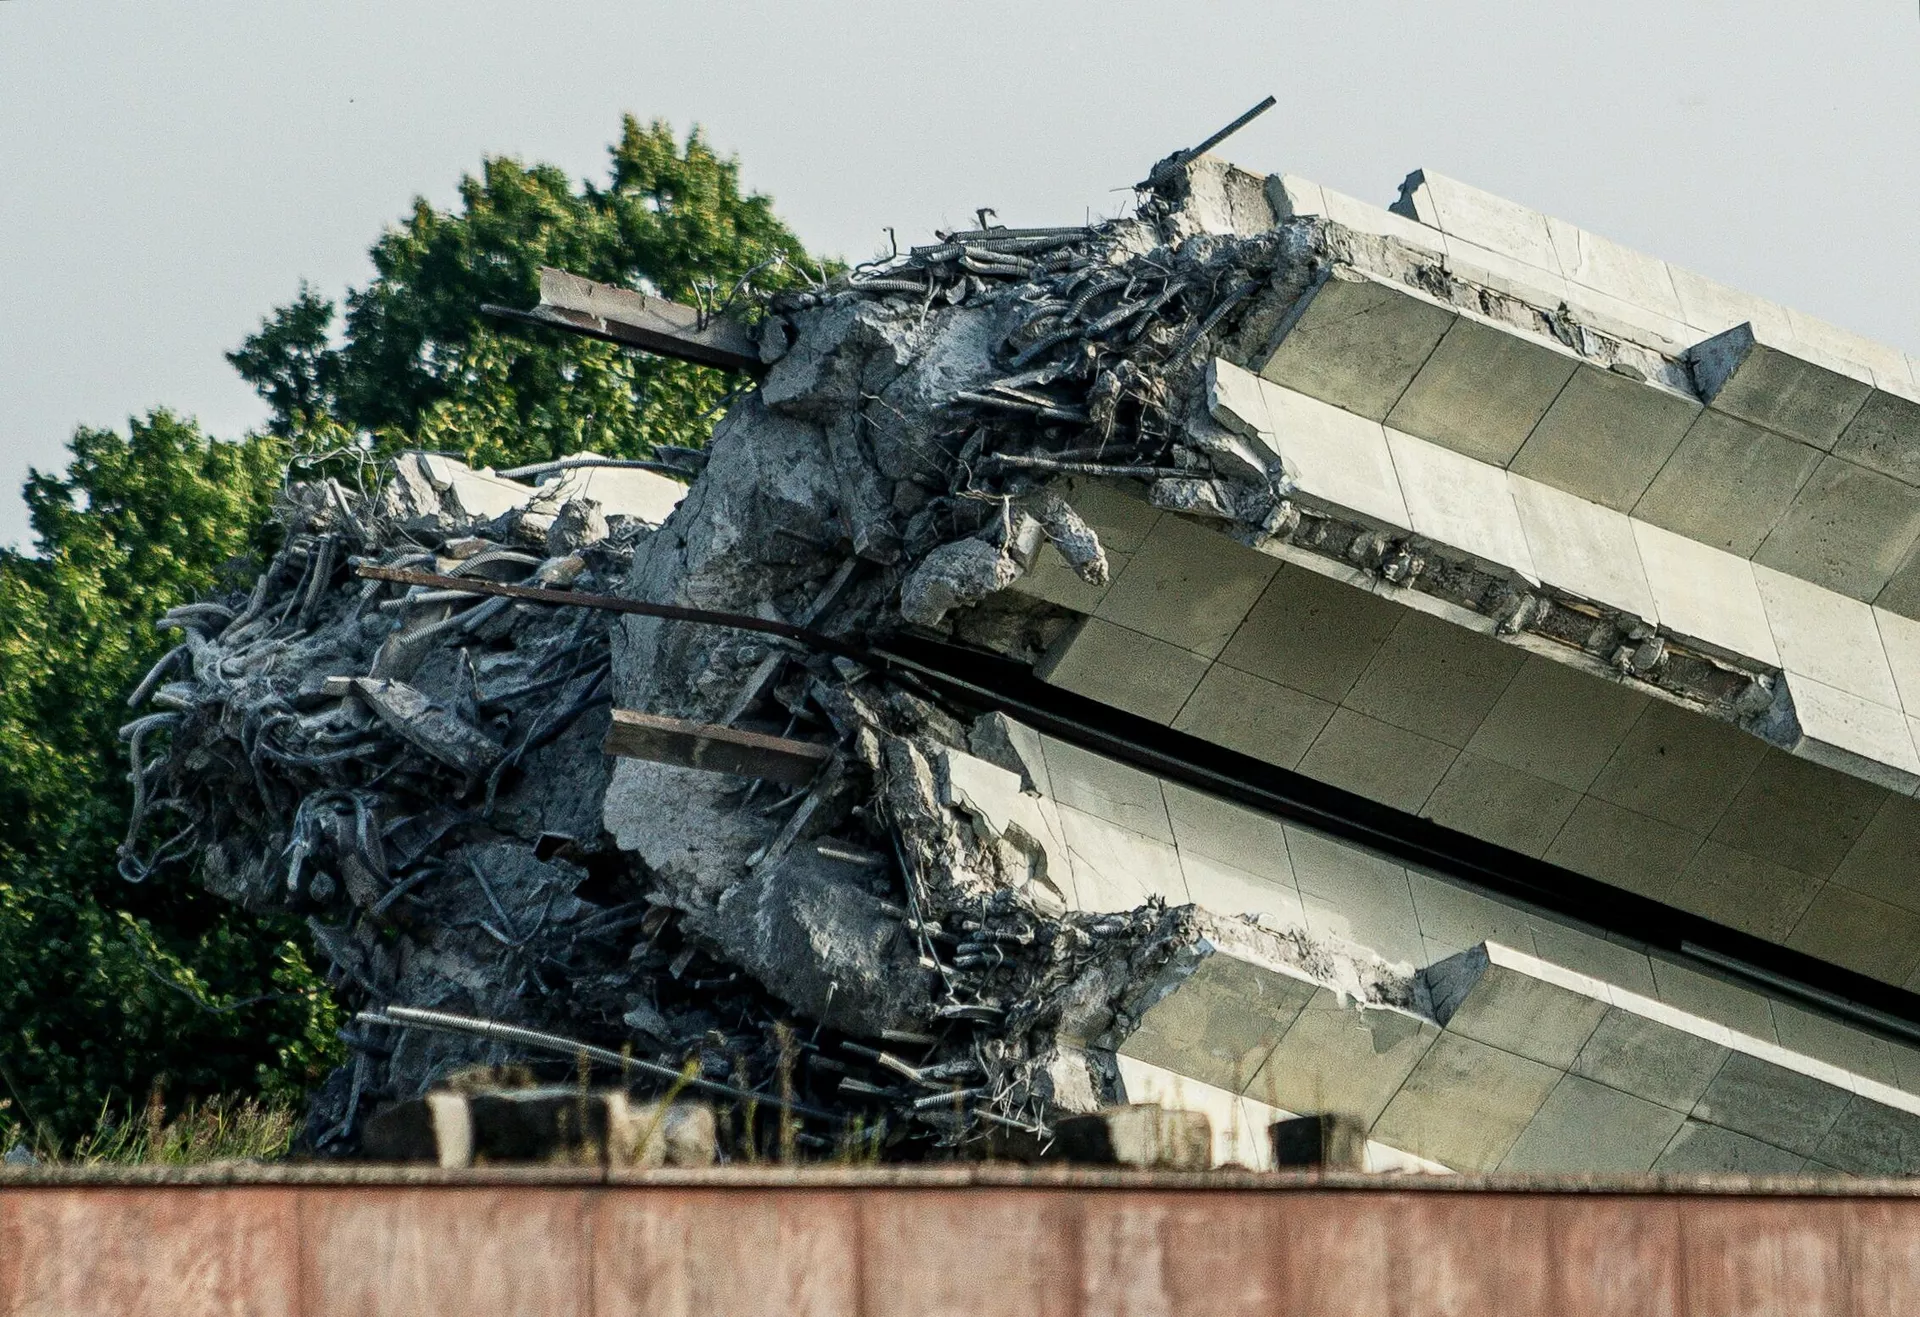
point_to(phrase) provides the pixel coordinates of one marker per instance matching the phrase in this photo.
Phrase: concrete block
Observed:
(1377, 760)
(1727, 484)
(1614, 963)
(1116, 870)
(1461, 502)
(1117, 666)
(1871, 937)
(1233, 834)
(1881, 864)
(1705, 595)
(1311, 633)
(1452, 919)
(622, 491)
(1227, 890)
(1500, 273)
(1603, 264)
(1772, 1104)
(1503, 805)
(1483, 390)
(1746, 373)
(1145, 1135)
(1617, 846)
(1106, 789)
(1853, 735)
(1465, 1104)
(1713, 307)
(480, 495)
(1582, 547)
(1342, 1057)
(1702, 1149)
(1356, 341)
(1235, 400)
(1435, 679)
(1479, 217)
(1798, 813)
(1589, 1128)
(1606, 436)
(1641, 1056)
(1353, 894)
(1618, 317)
(1871, 1139)
(1188, 586)
(1825, 635)
(1220, 1023)
(1558, 723)
(1511, 1010)
(1337, 460)
(1293, 197)
(1678, 766)
(1743, 891)
(1848, 529)
(1885, 434)
(1254, 716)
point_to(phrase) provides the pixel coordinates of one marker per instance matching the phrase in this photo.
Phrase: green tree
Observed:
(419, 364)
(106, 987)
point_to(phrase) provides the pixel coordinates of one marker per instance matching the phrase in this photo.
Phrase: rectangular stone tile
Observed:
(1606, 437)
(1378, 760)
(1511, 1010)
(1584, 952)
(1558, 723)
(1339, 1057)
(1885, 434)
(1436, 679)
(1102, 787)
(1187, 586)
(1353, 894)
(1854, 736)
(1472, 263)
(1220, 1024)
(1461, 502)
(1743, 891)
(1620, 318)
(1130, 671)
(1882, 863)
(1641, 1056)
(1254, 716)
(1678, 766)
(1603, 264)
(1588, 1128)
(1618, 846)
(1775, 1105)
(1227, 890)
(1311, 633)
(1499, 804)
(1117, 870)
(1900, 642)
(1051, 579)
(1859, 933)
(1744, 374)
(1478, 216)
(1364, 217)
(1389, 931)
(1294, 197)
(1483, 390)
(1871, 1139)
(1703, 1149)
(1827, 1039)
(1465, 1104)
(1848, 529)
(1582, 547)
(1728, 483)
(1234, 834)
(1236, 400)
(1798, 813)
(1337, 460)
(666, 1254)
(1453, 919)
(1356, 341)
(1714, 307)
(1828, 341)
(1710, 997)
(1826, 636)
(1705, 595)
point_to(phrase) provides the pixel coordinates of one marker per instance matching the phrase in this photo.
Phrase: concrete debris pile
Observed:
(888, 942)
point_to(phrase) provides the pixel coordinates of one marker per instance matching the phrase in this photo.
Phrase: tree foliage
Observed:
(106, 987)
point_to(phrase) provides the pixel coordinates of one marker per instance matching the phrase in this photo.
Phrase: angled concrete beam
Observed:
(718, 749)
(621, 315)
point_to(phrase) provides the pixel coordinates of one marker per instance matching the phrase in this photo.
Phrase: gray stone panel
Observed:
(1356, 342)
(1626, 849)
(1482, 391)
(1871, 1139)
(1775, 1105)
(1742, 375)
(1221, 1023)
(1187, 586)
(1117, 666)
(1727, 484)
(1342, 1058)
(1702, 1149)
(1503, 805)
(1435, 678)
(1558, 722)
(1848, 529)
(1678, 766)
(1465, 1104)
(1255, 716)
(1588, 1128)
(1516, 1012)
(1879, 940)
(1311, 633)
(1799, 814)
(1885, 862)
(1885, 436)
(1655, 1061)
(1378, 760)
(1606, 437)
(1743, 891)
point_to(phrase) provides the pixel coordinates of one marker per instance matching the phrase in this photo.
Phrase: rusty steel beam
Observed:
(633, 319)
(635, 735)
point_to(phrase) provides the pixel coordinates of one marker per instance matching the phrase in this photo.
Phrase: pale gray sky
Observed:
(171, 170)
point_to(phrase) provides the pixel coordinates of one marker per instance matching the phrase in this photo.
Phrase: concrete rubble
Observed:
(795, 873)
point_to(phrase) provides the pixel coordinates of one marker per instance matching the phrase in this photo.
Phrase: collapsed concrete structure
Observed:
(1267, 655)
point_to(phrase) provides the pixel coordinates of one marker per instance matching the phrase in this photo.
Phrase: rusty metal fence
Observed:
(978, 1241)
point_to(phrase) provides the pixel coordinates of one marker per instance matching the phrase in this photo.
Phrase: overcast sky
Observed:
(169, 170)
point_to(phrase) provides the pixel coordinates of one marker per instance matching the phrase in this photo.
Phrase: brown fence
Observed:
(979, 1242)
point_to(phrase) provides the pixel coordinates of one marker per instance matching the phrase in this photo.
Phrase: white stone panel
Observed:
(1825, 635)
(1461, 502)
(1705, 595)
(1481, 217)
(1337, 460)
(1582, 547)
(1854, 735)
